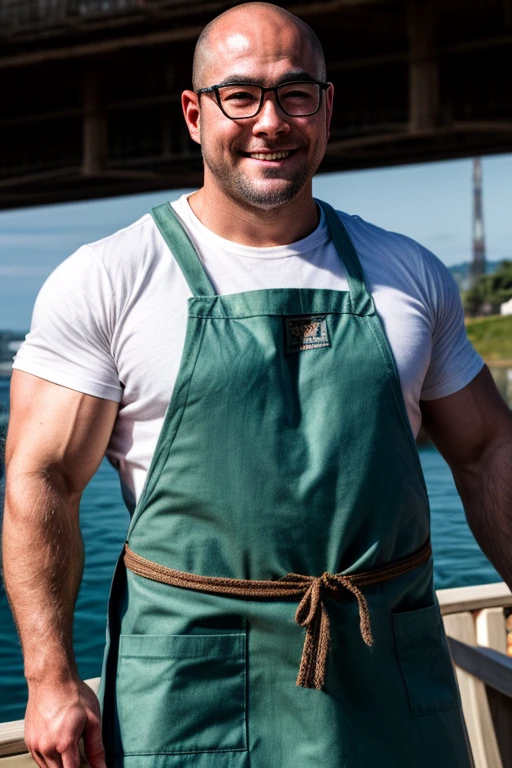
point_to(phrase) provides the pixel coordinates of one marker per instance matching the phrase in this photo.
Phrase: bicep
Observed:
(462, 425)
(56, 429)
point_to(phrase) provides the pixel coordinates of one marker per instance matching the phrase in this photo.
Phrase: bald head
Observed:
(243, 17)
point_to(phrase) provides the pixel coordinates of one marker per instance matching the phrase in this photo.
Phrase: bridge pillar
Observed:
(423, 67)
(95, 137)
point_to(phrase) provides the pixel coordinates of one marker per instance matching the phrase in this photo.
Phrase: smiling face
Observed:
(267, 160)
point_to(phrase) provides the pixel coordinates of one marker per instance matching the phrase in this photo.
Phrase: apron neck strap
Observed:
(186, 255)
(362, 303)
(182, 249)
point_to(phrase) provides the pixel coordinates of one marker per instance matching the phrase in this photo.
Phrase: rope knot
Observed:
(313, 616)
(308, 607)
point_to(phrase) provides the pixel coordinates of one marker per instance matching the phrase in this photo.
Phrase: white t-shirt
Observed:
(110, 320)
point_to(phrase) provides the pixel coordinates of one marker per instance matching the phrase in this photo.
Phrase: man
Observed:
(286, 455)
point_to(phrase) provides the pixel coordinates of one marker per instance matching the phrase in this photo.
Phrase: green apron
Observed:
(286, 448)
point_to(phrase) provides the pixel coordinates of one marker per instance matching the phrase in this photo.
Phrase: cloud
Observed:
(24, 271)
(32, 239)
(442, 237)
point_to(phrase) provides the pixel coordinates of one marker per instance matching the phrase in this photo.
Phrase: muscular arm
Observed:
(56, 440)
(473, 431)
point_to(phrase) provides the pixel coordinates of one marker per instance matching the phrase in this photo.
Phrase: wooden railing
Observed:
(491, 667)
(474, 619)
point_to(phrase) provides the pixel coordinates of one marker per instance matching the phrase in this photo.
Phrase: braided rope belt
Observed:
(311, 590)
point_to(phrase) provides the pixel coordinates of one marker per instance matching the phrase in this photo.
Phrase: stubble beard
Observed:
(243, 190)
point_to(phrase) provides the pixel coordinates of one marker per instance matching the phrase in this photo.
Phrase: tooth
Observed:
(270, 155)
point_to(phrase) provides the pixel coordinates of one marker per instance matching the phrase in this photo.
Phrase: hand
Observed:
(58, 716)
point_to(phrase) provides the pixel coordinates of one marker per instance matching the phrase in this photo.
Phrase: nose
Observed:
(270, 120)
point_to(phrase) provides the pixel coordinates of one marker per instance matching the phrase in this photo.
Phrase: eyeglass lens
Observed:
(296, 99)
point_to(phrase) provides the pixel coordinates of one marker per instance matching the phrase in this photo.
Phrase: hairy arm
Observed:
(473, 431)
(56, 440)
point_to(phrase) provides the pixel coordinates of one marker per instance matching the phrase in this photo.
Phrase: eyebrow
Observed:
(296, 75)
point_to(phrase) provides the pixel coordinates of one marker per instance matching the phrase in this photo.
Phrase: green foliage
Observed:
(489, 290)
(491, 337)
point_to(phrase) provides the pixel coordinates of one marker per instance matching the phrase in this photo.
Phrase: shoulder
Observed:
(94, 284)
(390, 246)
(393, 259)
(129, 248)
(106, 260)
(136, 262)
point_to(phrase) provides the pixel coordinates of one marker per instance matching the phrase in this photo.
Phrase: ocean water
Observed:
(458, 561)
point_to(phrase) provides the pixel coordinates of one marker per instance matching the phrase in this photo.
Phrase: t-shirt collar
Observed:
(317, 238)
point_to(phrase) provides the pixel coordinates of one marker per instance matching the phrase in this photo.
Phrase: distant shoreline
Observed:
(497, 363)
(5, 370)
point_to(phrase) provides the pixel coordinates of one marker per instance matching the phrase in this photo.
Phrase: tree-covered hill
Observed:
(489, 292)
(461, 271)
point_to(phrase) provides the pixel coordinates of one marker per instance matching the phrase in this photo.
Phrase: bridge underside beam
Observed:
(415, 81)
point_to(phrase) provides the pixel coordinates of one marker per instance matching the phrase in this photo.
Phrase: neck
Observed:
(256, 227)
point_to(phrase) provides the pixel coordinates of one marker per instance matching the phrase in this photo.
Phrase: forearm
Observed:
(486, 492)
(43, 562)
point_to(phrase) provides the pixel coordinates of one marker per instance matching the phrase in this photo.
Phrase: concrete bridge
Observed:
(90, 89)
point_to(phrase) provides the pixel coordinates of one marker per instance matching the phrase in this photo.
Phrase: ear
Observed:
(329, 97)
(192, 114)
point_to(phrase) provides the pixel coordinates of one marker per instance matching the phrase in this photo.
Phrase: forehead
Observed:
(261, 52)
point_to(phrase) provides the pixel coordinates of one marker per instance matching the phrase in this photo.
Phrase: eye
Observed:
(296, 93)
(301, 94)
(238, 94)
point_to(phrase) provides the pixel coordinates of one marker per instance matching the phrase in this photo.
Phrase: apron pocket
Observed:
(181, 693)
(425, 660)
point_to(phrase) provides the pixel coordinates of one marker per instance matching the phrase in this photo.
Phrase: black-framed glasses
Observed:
(241, 100)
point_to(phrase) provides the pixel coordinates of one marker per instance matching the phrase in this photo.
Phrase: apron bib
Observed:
(286, 448)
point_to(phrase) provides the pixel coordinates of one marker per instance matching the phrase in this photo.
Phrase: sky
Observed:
(431, 203)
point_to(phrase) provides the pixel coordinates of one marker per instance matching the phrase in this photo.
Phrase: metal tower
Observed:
(478, 263)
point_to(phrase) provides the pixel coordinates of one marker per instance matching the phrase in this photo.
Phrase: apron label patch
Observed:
(306, 332)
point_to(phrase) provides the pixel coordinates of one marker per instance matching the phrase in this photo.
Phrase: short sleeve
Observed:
(70, 335)
(454, 362)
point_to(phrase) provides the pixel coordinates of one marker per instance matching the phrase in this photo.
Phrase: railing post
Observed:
(477, 715)
(491, 631)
